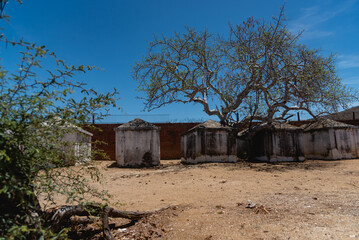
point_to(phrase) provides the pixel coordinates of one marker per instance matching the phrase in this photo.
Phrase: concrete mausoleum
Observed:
(208, 142)
(137, 144)
(280, 142)
(78, 142)
(328, 139)
(73, 142)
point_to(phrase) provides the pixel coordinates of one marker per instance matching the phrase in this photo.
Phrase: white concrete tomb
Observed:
(208, 142)
(78, 142)
(74, 142)
(137, 144)
(278, 142)
(328, 139)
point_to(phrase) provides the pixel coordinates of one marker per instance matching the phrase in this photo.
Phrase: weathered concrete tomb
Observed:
(208, 142)
(280, 142)
(137, 144)
(328, 139)
(78, 142)
(73, 142)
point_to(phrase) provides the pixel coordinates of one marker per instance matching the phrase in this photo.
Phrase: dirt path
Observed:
(310, 200)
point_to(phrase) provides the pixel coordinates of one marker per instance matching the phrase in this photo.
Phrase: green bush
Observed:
(37, 107)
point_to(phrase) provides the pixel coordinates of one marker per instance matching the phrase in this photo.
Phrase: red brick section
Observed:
(170, 138)
(104, 133)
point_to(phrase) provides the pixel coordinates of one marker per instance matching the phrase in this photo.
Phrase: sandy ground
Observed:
(309, 200)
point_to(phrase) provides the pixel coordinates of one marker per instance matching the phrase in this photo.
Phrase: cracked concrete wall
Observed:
(208, 145)
(78, 143)
(278, 146)
(136, 148)
(332, 143)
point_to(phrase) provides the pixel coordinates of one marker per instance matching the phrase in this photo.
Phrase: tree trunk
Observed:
(106, 228)
(59, 218)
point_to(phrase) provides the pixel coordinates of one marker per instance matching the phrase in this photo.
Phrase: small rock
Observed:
(251, 205)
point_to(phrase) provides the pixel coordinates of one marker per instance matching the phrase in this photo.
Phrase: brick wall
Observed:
(170, 138)
(105, 134)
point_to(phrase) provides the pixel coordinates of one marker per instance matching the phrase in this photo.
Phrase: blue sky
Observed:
(113, 34)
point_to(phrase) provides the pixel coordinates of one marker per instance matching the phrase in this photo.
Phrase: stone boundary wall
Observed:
(170, 138)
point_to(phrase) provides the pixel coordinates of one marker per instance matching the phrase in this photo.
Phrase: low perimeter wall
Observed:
(170, 138)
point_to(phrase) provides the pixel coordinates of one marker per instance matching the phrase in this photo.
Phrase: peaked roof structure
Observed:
(274, 126)
(59, 121)
(325, 123)
(137, 124)
(284, 125)
(210, 124)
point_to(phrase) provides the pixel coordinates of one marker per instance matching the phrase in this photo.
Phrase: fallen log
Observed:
(58, 218)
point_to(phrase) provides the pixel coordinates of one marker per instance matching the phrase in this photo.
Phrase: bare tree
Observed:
(260, 71)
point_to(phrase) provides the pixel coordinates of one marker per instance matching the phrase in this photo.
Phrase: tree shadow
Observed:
(242, 164)
(309, 165)
(91, 231)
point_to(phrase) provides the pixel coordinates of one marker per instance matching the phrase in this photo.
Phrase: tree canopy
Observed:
(260, 71)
